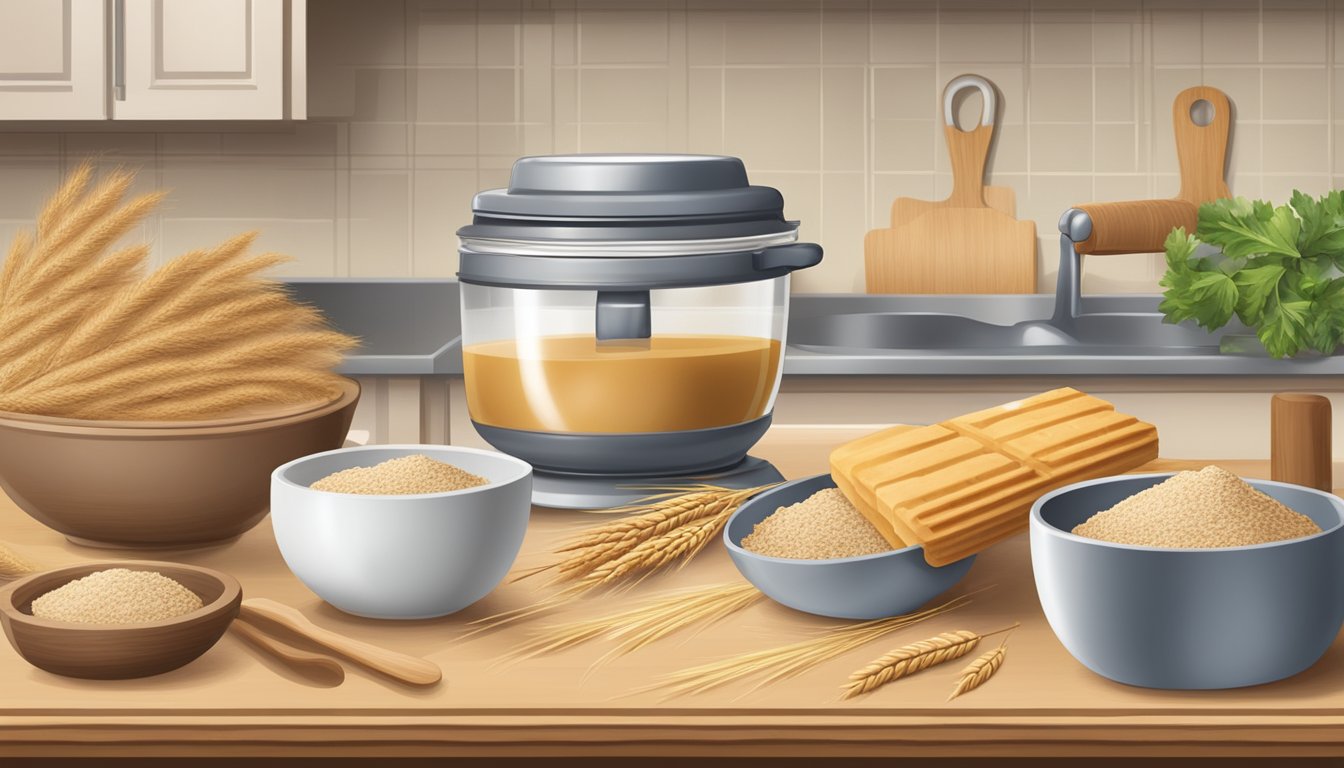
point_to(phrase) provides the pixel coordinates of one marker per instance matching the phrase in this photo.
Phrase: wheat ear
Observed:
(316, 347)
(23, 329)
(58, 206)
(21, 253)
(237, 320)
(645, 624)
(302, 381)
(220, 402)
(786, 661)
(653, 554)
(661, 518)
(13, 566)
(658, 516)
(912, 658)
(909, 659)
(978, 672)
(224, 283)
(116, 318)
(55, 263)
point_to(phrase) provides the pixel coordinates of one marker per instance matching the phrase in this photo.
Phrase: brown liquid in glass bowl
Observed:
(578, 384)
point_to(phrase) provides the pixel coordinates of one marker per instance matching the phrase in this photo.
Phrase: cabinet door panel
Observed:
(52, 60)
(203, 60)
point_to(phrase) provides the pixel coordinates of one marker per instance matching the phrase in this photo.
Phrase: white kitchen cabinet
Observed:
(53, 57)
(201, 59)
(152, 59)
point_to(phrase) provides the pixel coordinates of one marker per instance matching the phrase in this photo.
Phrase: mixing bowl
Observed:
(865, 587)
(1189, 618)
(120, 651)
(401, 557)
(158, 484)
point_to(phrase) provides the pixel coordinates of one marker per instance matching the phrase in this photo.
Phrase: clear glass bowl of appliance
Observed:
(533, 361)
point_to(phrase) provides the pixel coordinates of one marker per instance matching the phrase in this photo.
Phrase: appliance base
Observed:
(635, 454)
(599, 492)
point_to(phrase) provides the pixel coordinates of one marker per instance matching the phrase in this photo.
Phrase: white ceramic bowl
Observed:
(401, 557)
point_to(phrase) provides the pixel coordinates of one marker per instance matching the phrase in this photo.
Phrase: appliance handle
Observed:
(787, 257)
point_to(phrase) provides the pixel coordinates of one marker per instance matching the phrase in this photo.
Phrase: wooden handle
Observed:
(1143, 226)
(968, 150)
(1202, 149)
(1136, 226)
(304, 661)
(1299, 435)
(400, 666)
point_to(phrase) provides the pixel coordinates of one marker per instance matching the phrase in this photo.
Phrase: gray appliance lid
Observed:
(610, 187)
(629, 221)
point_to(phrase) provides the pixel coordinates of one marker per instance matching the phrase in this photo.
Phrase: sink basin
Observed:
(1120, 325)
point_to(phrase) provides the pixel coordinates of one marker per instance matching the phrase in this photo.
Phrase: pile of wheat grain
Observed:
(86, 334)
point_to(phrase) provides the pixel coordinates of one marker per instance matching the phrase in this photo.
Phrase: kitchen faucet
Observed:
(1075, 226)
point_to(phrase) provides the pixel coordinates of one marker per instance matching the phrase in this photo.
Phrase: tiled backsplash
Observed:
(416, 105)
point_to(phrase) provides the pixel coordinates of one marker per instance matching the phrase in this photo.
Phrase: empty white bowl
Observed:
(401, 557)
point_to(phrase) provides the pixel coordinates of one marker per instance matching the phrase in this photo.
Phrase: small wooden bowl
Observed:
(118, 651)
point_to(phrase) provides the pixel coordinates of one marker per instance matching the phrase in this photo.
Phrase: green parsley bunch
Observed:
(1279, 271)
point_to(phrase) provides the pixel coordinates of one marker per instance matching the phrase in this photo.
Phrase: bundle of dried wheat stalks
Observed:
(662, 530)
(86, 334)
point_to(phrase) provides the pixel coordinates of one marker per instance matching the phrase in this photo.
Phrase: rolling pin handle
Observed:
(1076, 224)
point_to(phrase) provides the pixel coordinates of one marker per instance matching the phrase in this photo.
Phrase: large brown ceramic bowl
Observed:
(118, 651)
(159, 484)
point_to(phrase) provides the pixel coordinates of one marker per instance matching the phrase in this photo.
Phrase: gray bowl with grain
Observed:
(1189, 618)
(865, 587)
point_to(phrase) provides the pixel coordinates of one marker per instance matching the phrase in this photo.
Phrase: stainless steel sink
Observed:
(994, 325)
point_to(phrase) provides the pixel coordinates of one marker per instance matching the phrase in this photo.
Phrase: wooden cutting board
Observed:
(971, 242)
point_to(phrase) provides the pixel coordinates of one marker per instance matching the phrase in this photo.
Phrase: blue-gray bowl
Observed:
(865, 587)
(1189, 618)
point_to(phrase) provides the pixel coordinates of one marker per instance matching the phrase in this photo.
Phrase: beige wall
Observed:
(418, 104)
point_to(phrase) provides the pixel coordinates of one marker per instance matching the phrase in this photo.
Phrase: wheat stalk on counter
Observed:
(662, 529)
(786, 661)
(646, 623)
(13, 565)
(669, 528)
(912, 658)
(84, 333)
(978, 672)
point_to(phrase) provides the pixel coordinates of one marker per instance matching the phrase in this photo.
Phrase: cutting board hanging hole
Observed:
(969, 243)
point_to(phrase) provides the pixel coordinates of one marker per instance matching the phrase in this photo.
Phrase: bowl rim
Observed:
(231, 593)
(350, 392)
(1038, 521)
(278, 475)
(736, 548)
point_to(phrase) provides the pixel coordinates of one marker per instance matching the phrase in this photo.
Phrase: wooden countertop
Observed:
(235, 701)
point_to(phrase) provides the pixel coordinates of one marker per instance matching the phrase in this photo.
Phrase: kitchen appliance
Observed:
(969, 243)
(623, 322)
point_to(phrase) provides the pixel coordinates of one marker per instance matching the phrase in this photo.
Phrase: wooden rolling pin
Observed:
(399, 666)
(1300, 449)
(1142, 226)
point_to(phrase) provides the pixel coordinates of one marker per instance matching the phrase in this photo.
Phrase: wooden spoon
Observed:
(314, 664)
(399, 666)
